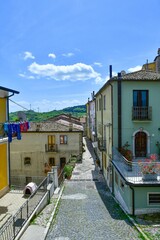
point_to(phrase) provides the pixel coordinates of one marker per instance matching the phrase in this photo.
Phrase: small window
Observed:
(154, 198)
(63, 139)
(51, 161)
(27, 161)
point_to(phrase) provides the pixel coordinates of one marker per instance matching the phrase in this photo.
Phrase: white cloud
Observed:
(52, 55)
(23, 75)
(75, 72)
(98, 64)
(68, 54)
(134, 69)
(28, 55)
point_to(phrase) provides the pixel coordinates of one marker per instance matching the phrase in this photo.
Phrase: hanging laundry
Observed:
(15, 129)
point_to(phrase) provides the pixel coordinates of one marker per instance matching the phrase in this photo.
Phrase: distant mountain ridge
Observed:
(76, 111)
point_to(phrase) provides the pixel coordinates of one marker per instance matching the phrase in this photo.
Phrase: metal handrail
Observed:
(14, 224)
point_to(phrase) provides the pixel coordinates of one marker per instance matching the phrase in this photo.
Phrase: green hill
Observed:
(76, 111)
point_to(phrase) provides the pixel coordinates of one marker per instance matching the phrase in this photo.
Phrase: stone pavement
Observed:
(87, 210)
(9, 205)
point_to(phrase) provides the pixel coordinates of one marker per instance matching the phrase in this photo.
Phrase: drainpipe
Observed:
(89, 120)
(119, 111)
(102, 125)
(110, 74)
(133, 202)
(112, 181)
(9, 157)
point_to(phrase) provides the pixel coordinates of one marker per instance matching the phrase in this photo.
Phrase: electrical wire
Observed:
(19, 105)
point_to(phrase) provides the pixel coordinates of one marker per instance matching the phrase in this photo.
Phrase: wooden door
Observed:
(140, 144)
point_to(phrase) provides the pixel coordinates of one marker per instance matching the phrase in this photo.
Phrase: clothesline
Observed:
(15, 129)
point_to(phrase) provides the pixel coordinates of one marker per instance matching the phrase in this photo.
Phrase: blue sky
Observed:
(56, 52)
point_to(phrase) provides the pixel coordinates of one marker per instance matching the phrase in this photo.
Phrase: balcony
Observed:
(51, 148)
(131, 170)
(102, 144)
(142, 113)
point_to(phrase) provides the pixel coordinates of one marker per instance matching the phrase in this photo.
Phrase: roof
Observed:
(64, 118)
(4, 91)
(142, 75)
(54, 127)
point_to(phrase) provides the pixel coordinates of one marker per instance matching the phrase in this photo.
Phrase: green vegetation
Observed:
(68, 170)
(76, 111)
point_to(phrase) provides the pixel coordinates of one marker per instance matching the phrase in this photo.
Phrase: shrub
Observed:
(68, 171)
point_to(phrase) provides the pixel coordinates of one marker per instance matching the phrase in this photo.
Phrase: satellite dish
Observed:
(21, 116)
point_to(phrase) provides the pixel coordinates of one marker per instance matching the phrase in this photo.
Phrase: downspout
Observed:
(119, 111)
(102, 125)
(110, 74)
(110, 68)
(9, 157)
(112, 180)
(89, 127)
(133, 202)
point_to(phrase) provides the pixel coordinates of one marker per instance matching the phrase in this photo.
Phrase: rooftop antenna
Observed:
(147, 65)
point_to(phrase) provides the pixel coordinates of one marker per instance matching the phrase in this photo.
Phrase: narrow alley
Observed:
(87, 211)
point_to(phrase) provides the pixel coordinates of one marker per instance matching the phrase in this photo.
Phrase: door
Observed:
(141, 144)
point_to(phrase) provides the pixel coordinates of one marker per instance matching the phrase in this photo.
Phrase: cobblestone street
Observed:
(87, 209)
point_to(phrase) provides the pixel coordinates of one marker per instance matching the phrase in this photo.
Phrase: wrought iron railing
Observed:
(141, 113)
(13, 226)
(51, 148)
(132, 170)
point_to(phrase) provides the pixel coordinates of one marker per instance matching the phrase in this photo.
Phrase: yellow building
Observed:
(5, 94)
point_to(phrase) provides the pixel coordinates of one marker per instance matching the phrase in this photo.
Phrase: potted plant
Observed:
(149, 168)
(68, 171)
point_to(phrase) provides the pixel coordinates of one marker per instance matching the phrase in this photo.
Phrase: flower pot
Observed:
(149, 177)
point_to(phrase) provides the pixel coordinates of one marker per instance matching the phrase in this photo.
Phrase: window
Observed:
(140, 98)
(141, 109)
(27, 161)
(51, 139)
(63, 139)
(154, 198)
(51, 161)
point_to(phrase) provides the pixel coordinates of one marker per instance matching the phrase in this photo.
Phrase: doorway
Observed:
(140, 144)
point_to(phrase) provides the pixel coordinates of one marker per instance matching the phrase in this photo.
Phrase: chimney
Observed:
(110, 71)
(92, 94)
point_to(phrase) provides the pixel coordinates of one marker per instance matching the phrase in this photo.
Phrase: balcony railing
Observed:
(132, 171)
(142, 113)
(51, 148)
(101, 144)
